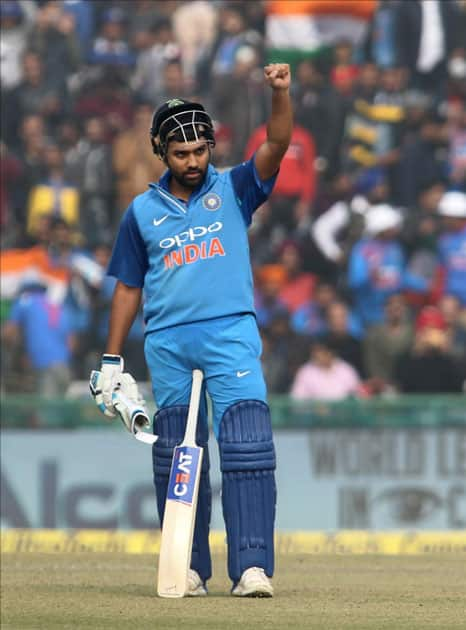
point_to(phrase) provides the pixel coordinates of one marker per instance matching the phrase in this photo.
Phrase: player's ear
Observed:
(156, 148)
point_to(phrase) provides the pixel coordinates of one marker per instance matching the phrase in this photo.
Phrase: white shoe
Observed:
(253, 583)
(196, 586)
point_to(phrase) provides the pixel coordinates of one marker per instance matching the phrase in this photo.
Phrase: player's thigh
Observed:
(233, 365)
(169, 368)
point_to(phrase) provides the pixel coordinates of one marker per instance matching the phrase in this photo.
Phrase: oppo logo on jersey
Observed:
(189, 252)
(190, 235)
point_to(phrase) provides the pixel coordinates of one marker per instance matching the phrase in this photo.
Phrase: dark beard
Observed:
(186, 183)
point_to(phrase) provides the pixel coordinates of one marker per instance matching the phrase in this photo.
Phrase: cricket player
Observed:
(183, 244)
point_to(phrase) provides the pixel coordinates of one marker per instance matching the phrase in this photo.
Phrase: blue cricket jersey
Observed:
(376, 270)
(191, 258)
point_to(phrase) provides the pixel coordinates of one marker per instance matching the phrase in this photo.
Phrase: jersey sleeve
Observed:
(250, 190)
(129, 262)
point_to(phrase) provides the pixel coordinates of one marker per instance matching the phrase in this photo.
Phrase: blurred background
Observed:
(359, 256)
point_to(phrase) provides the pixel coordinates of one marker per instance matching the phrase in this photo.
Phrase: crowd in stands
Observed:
(359, 256)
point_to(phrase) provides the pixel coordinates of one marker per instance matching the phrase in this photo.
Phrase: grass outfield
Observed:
(117, 591)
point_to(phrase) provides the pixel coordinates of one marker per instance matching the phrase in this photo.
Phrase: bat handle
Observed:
(190, 434)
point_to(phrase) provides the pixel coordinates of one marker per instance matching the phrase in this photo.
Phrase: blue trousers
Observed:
(226, 349)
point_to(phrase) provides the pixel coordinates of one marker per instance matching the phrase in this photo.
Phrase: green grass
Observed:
(117, 591)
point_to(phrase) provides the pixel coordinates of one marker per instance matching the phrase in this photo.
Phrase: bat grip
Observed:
(190, 434)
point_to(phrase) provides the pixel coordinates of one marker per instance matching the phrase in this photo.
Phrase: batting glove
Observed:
(129, 404)
(104, 382)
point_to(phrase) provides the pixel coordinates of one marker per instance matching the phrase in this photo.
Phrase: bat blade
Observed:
(178, 521)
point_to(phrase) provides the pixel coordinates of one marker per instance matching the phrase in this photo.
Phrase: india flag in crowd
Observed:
(298, 28)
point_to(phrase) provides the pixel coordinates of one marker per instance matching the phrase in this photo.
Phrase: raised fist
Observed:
(278, 76)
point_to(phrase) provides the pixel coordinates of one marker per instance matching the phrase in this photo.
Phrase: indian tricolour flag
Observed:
(299, 28)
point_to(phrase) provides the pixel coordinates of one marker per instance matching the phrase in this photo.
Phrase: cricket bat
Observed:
(180, 506)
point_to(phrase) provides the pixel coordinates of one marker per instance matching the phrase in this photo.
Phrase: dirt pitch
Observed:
(103, 590)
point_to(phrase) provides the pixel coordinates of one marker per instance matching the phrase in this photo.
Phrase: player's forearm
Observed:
(125, 305)
(280, 123)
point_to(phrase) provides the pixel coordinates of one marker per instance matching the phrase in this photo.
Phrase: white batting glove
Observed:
(104, 382)
(129, 404)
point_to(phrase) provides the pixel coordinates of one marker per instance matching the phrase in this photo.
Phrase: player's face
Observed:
(188, 162)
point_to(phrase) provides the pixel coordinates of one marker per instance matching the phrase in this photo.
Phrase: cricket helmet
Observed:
(180, 120)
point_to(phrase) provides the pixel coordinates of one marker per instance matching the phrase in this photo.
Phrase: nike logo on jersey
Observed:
(241, 374)
(159, 221)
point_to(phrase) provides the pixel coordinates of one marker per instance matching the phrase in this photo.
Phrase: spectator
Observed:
(452, 246)
(337, 229)
(311, 318)
(83, 14)
(454, 315)
(456, 139)
(345, 334)
(420, 236)
(274, 365)
(422, 224)
(222, 156)
(367, 81)
(377, 266)
(374, 124)
(232, 34)
(344, 71)
(156, 46)
(111, 47)
(89, 168)
(16, 20)
(299, 285)
(143, 14)
(320, 110)
(420, 143)
(46, 329)
(429, 367)
(265, 236)
(30, 151)
(270, 280)
(54, 39)
(325, 376)
(456, 84)
(294, 191)
(69, 134)
(36, 94)
(173, 84)
(195, 27)
(55, 195)
(10, 174)
(240, 102)
(385, 342)
(84, 276)
(380, 46)
(133, 158)
(425, 34)
(283, 352)
(106, 95)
